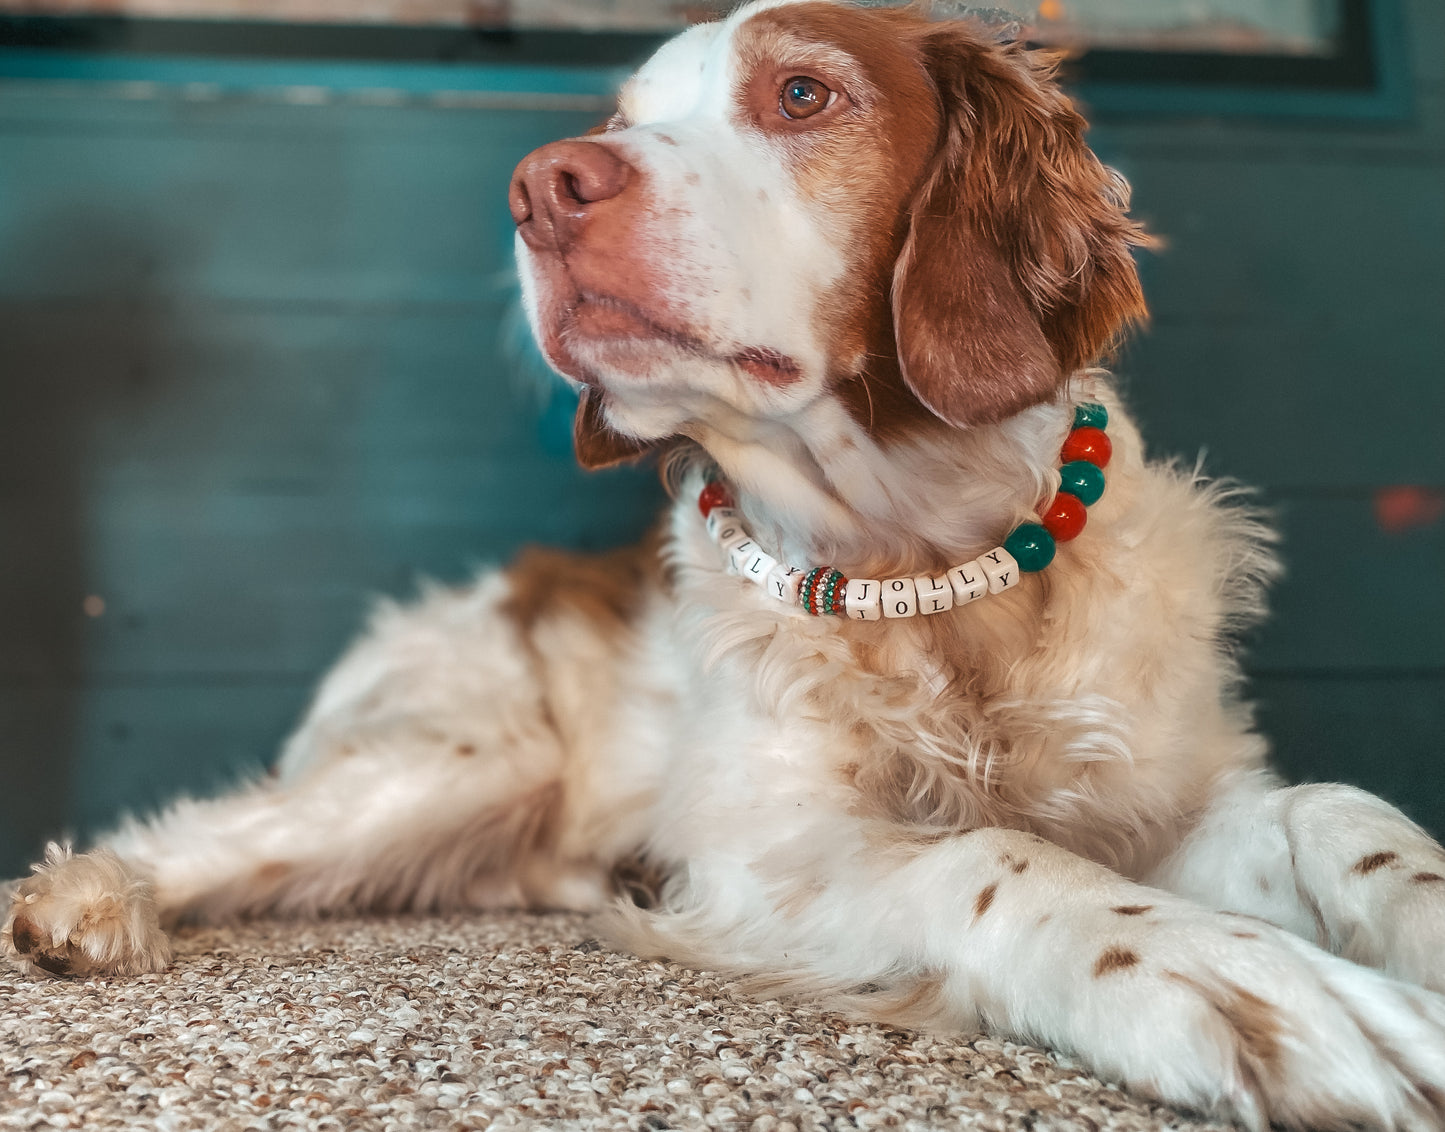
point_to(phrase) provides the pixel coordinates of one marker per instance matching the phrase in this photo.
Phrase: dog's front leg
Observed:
(375, 830)
(1204, 1009)
(1330, 863)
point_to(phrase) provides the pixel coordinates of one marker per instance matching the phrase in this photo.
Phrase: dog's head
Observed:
(808, 200)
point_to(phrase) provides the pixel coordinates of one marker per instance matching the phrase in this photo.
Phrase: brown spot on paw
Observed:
(1113, 959)
(1427, 878)
(1366, 865)
(984, 900)
(24, 934)
(1132, 909)
(272, 871)
(1254, 1021)
(1014, 864)
(465, 749)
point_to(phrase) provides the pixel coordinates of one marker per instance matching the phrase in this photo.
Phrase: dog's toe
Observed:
(25, 941)
(81, 916)
(24, 934)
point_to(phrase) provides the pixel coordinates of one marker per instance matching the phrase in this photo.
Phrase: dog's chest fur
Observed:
(1087, 706)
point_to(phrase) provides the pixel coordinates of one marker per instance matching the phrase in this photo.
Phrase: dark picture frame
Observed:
(1365, 75)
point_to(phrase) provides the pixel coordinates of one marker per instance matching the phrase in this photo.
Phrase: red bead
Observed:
(1064, 517)
(713, 495)
(1091, 444)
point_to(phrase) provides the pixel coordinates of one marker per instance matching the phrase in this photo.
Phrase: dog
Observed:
(923, 698)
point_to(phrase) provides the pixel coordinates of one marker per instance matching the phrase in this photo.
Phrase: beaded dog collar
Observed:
(824, 591)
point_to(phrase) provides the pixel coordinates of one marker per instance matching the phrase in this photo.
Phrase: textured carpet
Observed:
(493, 1022)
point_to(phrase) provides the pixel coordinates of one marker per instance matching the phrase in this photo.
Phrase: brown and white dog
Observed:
(856, 263)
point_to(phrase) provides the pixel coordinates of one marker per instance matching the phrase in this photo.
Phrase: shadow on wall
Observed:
(76, 359)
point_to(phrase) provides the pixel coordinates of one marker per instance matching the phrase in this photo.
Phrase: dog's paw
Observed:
(1406, 938)
(1258, 1026)
(84, 915)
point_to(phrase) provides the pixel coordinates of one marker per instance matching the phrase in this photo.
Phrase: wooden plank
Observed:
(1415, 139)
(1247, 243)
(37, 738)
(1294, 406)
(236, 583)
(308, 208)
(98, 751)
(1426, 21)
(235, 483)
(1355, 596)
(244, 395)
(273, 584)
(1382, 734)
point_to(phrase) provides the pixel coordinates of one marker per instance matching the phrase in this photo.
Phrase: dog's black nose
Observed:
(556, 187)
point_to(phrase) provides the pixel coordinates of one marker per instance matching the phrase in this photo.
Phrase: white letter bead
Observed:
(739, 552)
(1001, 568)
(758, 566)
(732, 535)
(784, 582)
(722, 517)
(935, 595)
(862, 599)
(900, 599)
(969, 582)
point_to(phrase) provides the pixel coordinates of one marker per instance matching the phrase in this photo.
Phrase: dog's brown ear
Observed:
(1017, 268)
(597, 443)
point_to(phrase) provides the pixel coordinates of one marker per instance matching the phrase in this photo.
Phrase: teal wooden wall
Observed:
(259, 361)
(1298, 339)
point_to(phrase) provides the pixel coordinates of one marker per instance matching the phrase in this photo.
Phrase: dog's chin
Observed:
(608, 343)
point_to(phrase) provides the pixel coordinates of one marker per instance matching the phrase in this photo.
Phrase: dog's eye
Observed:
(802, 97)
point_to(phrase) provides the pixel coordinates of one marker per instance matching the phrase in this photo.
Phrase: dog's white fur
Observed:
(1046, 814)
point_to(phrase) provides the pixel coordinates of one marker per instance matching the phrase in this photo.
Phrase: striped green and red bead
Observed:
(822, 592)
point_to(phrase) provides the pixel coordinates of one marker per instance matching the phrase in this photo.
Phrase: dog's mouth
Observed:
(599, 319)
(767, 365)
(594, 322)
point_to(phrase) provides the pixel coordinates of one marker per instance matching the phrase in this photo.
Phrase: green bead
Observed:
(1091, 415)
(1082, 480)
(1032, 547)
